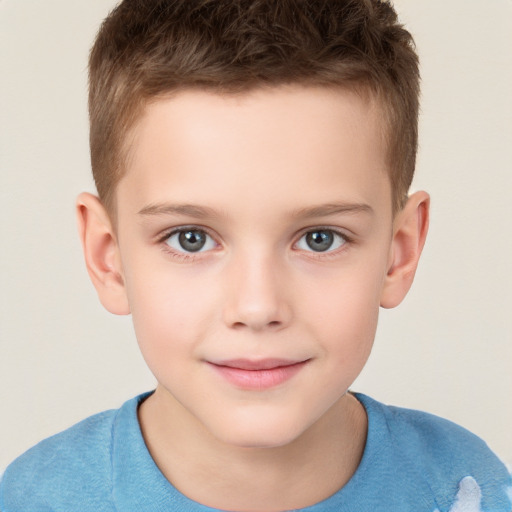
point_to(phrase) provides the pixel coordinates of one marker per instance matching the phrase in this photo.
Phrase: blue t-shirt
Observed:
(412, 461)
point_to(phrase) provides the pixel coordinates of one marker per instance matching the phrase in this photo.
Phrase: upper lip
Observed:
(257, 364)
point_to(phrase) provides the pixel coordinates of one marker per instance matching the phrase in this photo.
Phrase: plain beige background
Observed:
(447, 349)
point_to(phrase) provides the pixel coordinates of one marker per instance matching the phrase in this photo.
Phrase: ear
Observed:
(409, 232)
(101, 253)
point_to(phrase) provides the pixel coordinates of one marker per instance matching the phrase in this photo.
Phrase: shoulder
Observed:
(74, 463)
(441, 442)
(454, 463)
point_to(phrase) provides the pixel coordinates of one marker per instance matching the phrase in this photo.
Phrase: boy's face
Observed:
(255, 232)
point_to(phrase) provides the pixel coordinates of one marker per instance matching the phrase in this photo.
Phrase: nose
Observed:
(257, 291)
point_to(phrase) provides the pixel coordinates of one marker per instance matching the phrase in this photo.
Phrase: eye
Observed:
(321, 240)
(190, 240)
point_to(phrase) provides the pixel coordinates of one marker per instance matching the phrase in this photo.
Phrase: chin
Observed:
(259, 433)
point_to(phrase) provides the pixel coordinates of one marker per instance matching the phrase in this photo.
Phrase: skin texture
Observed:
(256, 172)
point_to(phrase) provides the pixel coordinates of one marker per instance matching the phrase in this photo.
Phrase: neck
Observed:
(304, 472)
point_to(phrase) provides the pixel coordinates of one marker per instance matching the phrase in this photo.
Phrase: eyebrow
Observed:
(192, 210)
(325, 210)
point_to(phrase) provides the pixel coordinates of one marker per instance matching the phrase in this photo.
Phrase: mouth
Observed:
(257, 374)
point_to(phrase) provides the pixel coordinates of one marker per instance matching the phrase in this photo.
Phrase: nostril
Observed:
(254, 325)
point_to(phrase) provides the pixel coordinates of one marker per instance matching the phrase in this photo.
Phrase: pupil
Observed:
(192, 241)
(319, 240)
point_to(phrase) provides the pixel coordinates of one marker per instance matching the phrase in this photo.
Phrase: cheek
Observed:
(171, 311)
(343, 308)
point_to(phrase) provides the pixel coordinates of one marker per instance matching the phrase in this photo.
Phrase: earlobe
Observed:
(101, 253)
(409, 233)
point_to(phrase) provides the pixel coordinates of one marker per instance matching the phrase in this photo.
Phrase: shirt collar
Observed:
(139, 485)
(137, 482)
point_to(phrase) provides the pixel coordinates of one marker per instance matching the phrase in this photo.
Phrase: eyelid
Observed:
(166, 233)
(348, 239)
(337, 230)
(183, 254)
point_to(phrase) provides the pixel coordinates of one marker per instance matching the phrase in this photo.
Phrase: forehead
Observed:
(291, 142)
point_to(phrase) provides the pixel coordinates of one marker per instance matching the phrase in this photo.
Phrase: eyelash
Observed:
(190, 256)
(347, 241)
(182, 255)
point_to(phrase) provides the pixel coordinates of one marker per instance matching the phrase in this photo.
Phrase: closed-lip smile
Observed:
(257, 374)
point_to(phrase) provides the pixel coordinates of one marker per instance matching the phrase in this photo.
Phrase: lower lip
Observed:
(258, 379)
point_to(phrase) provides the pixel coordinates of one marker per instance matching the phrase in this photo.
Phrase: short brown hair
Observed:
(147, 48)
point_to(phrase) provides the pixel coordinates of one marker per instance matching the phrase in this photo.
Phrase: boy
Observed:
(252, 161)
